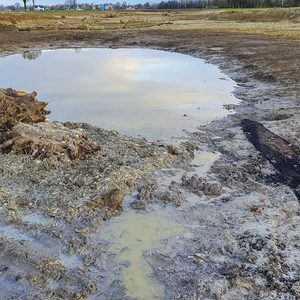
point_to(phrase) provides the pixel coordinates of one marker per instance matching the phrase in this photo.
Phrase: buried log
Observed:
(281, 154)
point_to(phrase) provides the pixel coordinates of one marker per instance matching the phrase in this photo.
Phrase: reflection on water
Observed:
(78, 50)
(31, 54)
(134, 91)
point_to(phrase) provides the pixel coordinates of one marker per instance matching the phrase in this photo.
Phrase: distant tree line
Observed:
(169, 4)
(206, 4)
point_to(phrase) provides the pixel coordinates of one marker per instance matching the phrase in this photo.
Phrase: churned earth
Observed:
(232, 221)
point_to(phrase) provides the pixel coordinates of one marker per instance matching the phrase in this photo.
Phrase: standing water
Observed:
(134, 233)
(151, 93)
(154, 94)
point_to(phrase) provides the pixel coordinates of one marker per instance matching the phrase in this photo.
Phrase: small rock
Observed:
(194, 183)
(212, 189)
(173, 195)
(139, 204)
(296, 288)
(108, 215)
(114, 199)
(199, 255)
(255, 209)
(4, 270)
(173, 150)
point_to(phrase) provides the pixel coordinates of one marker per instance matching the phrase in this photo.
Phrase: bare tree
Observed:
(25, 4)
(71, 3)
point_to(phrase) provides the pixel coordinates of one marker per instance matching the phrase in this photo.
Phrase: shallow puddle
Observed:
(201, 163)
(134, 232)
(14, 233)
(204, 160)
(131, 235)
(151, 93)
(34, 219)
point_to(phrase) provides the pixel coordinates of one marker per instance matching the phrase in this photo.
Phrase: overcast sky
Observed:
(51, 2)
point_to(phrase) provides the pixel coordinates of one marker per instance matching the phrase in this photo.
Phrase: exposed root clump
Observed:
(44, 140)
(24, 130)
(18, 107)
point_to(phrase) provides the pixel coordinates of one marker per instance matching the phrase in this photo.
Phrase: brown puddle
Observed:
(134, 233)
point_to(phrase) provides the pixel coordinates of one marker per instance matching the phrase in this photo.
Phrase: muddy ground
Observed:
(242, 244)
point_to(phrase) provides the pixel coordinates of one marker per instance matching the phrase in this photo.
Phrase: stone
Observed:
(212, 189)
(114, 199)
(255, 209)
(173, 150)
(138, 204)
(296, 288)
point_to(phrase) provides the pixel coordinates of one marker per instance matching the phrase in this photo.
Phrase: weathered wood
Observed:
(282, 154)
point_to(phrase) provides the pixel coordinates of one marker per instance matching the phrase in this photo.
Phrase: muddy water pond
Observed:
(155, 94)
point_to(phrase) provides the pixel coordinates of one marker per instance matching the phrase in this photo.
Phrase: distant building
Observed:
(106, 6)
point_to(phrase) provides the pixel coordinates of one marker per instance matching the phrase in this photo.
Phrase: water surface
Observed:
(131, 235)
(136, 232)
(151, 93)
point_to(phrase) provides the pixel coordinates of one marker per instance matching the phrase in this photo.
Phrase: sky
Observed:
(53, 2)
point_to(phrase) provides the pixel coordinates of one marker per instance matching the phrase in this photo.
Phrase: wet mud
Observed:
(243, 230)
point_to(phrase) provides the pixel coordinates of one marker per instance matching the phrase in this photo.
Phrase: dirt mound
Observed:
(256, 15)
(24, 130)
(44, 140)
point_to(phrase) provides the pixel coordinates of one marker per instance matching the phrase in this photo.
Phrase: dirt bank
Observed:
(269, 22)
(243, 242)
